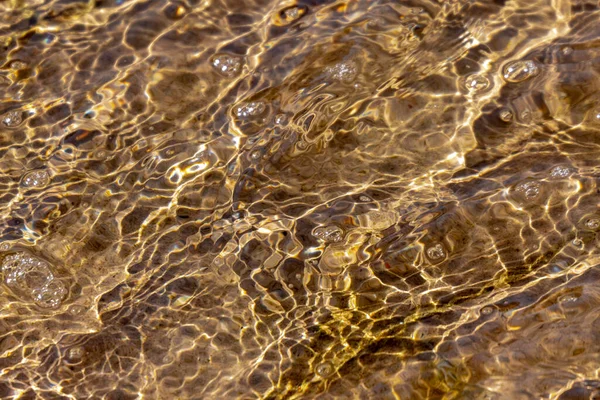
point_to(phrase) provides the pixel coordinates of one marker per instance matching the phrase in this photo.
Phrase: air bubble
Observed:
(525, 116)
(302, 145)
(436, 252)
(290, 15)
(560, 172)
(487, 310)
(329, 234)
(175, 11)
(529, 189)
(251, 109)
(22, 271)
(592, 223)
(18, 65)
(375, 22)
(324, 369)
(475, 83)
(293, 13)
(344, 72)
(591, 383)
(37, 178)
(76, 309)
(519, 71)
(50, 295)
(567, 298)
(12, 119)
(236, 216)
(566, 50)
(75, 354)
(281, 119)
(506, 115)
(227, 65)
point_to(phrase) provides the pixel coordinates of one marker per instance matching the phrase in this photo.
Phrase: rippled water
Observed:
(237, 199)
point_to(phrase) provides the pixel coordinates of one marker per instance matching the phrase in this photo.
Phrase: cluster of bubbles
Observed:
(12, 119)
(33, 277)
(227, 65)
(329, 234)
(344, 72)
(289, 15)
(436, 252)
(251, 109)
(35, 179)
(560, 172)
(293, 13)
(568, 298)
(530, 189)
(512, 72)
(17, 65)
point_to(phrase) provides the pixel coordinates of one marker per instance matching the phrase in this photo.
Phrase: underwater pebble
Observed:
(567, 298)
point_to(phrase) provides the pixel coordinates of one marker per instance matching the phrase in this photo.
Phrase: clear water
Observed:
(239, 199)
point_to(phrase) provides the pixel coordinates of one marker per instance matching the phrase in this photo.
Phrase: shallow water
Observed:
(239, 199)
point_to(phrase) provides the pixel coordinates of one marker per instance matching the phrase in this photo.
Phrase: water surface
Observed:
(237, 199)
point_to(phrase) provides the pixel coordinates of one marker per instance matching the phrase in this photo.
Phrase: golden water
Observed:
(242, 199)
